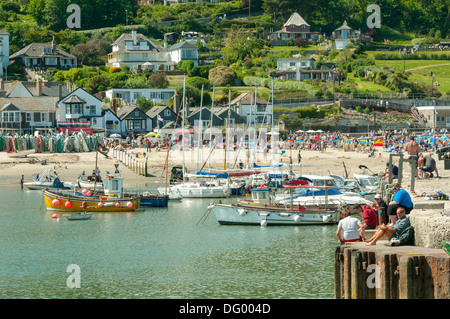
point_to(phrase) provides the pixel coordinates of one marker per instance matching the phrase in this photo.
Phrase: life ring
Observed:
(83, 205)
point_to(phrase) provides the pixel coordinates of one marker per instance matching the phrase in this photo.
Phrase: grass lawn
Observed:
(367, 85)
(441, 73)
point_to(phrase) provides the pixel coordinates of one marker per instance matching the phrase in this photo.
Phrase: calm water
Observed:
(158, 253)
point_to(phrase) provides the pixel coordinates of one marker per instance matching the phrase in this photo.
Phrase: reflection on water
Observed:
(158, 253)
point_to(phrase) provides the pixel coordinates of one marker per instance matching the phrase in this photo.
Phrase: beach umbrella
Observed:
(299, 131)
(310, 131)
(150, 134)
(378, 143)
(115, 135)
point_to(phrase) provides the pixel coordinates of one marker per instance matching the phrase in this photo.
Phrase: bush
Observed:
(221, 76)
(197, 82)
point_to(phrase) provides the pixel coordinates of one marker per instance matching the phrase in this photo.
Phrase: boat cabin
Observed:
(113, 185)
(261, 194)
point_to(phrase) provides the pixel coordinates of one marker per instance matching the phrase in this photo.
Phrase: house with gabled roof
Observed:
(344, 35)
(205, 117)
(162, 115)
(133, 120)
(44, 55)
(184, 51)
(35, 88)
(111, 120)
(295, 27)
(138, 52)
(252, 108)
(26, 114)
(80, 109)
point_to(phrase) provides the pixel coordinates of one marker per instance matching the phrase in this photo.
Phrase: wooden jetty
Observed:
(385, 272)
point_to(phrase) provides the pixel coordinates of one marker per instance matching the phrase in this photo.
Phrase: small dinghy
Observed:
(78, 216)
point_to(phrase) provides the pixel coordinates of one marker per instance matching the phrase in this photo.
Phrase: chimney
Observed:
(2, 85)
(134, 36)
(38, 87)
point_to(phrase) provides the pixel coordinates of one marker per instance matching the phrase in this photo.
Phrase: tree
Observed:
(221, 76)
(158, 80)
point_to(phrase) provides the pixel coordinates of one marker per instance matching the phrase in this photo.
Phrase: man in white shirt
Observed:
(351, 227)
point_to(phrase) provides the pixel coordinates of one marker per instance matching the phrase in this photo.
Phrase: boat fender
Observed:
(264, 222)
(100, 205)
(325, 218)
(117, 204)
(83, 205)
(68, 204)
(129, 204)
(242, 212)
(55, 202)
(297, 218)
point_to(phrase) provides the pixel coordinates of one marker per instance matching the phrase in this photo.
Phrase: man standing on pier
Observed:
(413, 149)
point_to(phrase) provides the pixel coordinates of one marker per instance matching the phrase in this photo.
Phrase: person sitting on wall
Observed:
(401, 199)
(369, 215)
(391, 231)
(351, 227)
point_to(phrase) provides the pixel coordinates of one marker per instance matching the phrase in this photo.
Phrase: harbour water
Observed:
(157, 253)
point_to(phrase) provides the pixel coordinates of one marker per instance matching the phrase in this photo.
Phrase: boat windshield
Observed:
(368, 182)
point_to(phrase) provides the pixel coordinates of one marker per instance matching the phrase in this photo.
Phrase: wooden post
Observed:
(337, 273)
(356, 284)
(406, 277)
(347, 274)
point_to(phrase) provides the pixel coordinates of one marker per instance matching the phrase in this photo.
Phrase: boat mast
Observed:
(271, 137)
(199, 141)
(210, 127)
(184, 121)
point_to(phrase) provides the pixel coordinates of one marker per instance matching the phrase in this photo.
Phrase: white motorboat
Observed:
(46, 180)
(316, 196)
(197, 190)
(259, 212)
(90, 182)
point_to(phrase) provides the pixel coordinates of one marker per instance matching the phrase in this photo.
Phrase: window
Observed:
(260, 108)
(166, 112)
(73, 109)
(11, 117)
(136, 95)
(51, 61)
(28, 117)
(44, 117)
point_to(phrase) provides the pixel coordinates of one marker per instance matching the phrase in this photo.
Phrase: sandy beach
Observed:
(70, 165)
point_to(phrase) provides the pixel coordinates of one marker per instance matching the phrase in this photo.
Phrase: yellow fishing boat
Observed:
(111, 201)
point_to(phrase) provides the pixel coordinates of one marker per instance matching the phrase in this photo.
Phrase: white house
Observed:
(344, 35)
(255, 111)
(80, 109)
(184, 51)
(4, 52)
(298, 69)
(131, 95)
(138, 52)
